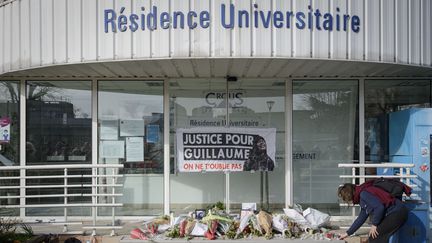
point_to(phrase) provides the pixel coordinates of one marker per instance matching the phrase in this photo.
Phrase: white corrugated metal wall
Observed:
(35, 33)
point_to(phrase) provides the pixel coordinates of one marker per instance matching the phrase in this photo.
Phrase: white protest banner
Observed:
(225, 149)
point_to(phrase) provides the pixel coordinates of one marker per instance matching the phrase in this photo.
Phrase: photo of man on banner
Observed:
(258, 158)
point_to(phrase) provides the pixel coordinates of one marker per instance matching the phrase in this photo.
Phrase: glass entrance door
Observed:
(325, 133)
(259, 105)
(251, 107)
(130, 122)
(194, 104)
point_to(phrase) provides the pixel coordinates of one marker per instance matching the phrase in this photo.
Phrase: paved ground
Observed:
(242, 240)
(126, 239)
(122, 235)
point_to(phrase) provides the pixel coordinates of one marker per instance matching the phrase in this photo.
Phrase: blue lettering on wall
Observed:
(230, 18)
(355, 23)
(122, 21)
(109, 19)
(278, 19)
(204, 19)
(228, 24)
(300, 16)
(265, 18)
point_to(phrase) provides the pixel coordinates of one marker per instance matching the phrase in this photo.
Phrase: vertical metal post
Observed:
(401, 173)
(65, 229)
(227, 174)
(94, 149)
(22, 150)
(113, 182)
(261, 189)
(266, 181)
(408, 173)
(94, 198)
(270, 104)
(289, 198)
(353, 172)
(362, 128)
(227, 189)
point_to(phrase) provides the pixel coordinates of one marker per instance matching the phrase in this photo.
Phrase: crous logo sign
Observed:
(214, 99)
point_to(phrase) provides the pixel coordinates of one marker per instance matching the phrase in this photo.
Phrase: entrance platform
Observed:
(122, 235)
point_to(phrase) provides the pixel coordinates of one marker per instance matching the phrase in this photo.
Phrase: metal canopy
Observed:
(222, 67)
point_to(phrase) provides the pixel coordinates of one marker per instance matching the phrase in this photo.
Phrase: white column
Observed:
(95, 153)
(166, 148)
(289, 196)
(23, 125)
(362, 127)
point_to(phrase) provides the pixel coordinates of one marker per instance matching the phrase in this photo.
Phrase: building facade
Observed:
(117, 82)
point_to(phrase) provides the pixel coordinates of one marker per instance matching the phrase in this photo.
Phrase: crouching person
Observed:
(388, 213)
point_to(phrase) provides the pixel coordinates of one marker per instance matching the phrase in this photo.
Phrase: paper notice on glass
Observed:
(131, 128)
(111, 161)
(112, 149)
(109, 130)
(134, 149)
(152, 133)
(56, 158)
(77, 158)
(249, 206)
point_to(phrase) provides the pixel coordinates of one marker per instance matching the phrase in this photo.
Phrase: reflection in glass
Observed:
(9, 142)
(325, 133)
(58, 131)
(383, 97)
(195, 103)
(259, 104)
(58, 122)
(130, 120)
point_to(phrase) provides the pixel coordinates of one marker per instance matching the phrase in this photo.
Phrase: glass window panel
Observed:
(195, 103)
(50, 195)
(9, 119)
(58, 131)
(130, 120)
(259, 104)
(9, 142)
(383, 97)
(58, 122)
(325, 133)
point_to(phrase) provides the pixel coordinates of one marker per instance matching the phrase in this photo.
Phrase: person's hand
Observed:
(343, 236)
(373, 233)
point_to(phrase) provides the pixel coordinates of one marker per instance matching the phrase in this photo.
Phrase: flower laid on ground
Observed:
(217, 224)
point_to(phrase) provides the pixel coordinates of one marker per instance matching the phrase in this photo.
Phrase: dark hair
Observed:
(255, 148)
(346, 192)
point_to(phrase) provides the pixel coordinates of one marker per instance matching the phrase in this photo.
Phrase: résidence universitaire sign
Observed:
(230, 18)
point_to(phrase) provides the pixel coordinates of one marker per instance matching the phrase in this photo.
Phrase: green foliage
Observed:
(254, 231)
(174, 232)
(218, 206)
(27, 230)
(9, 230)
(232, 231)
(293, 230)
(268, 236)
